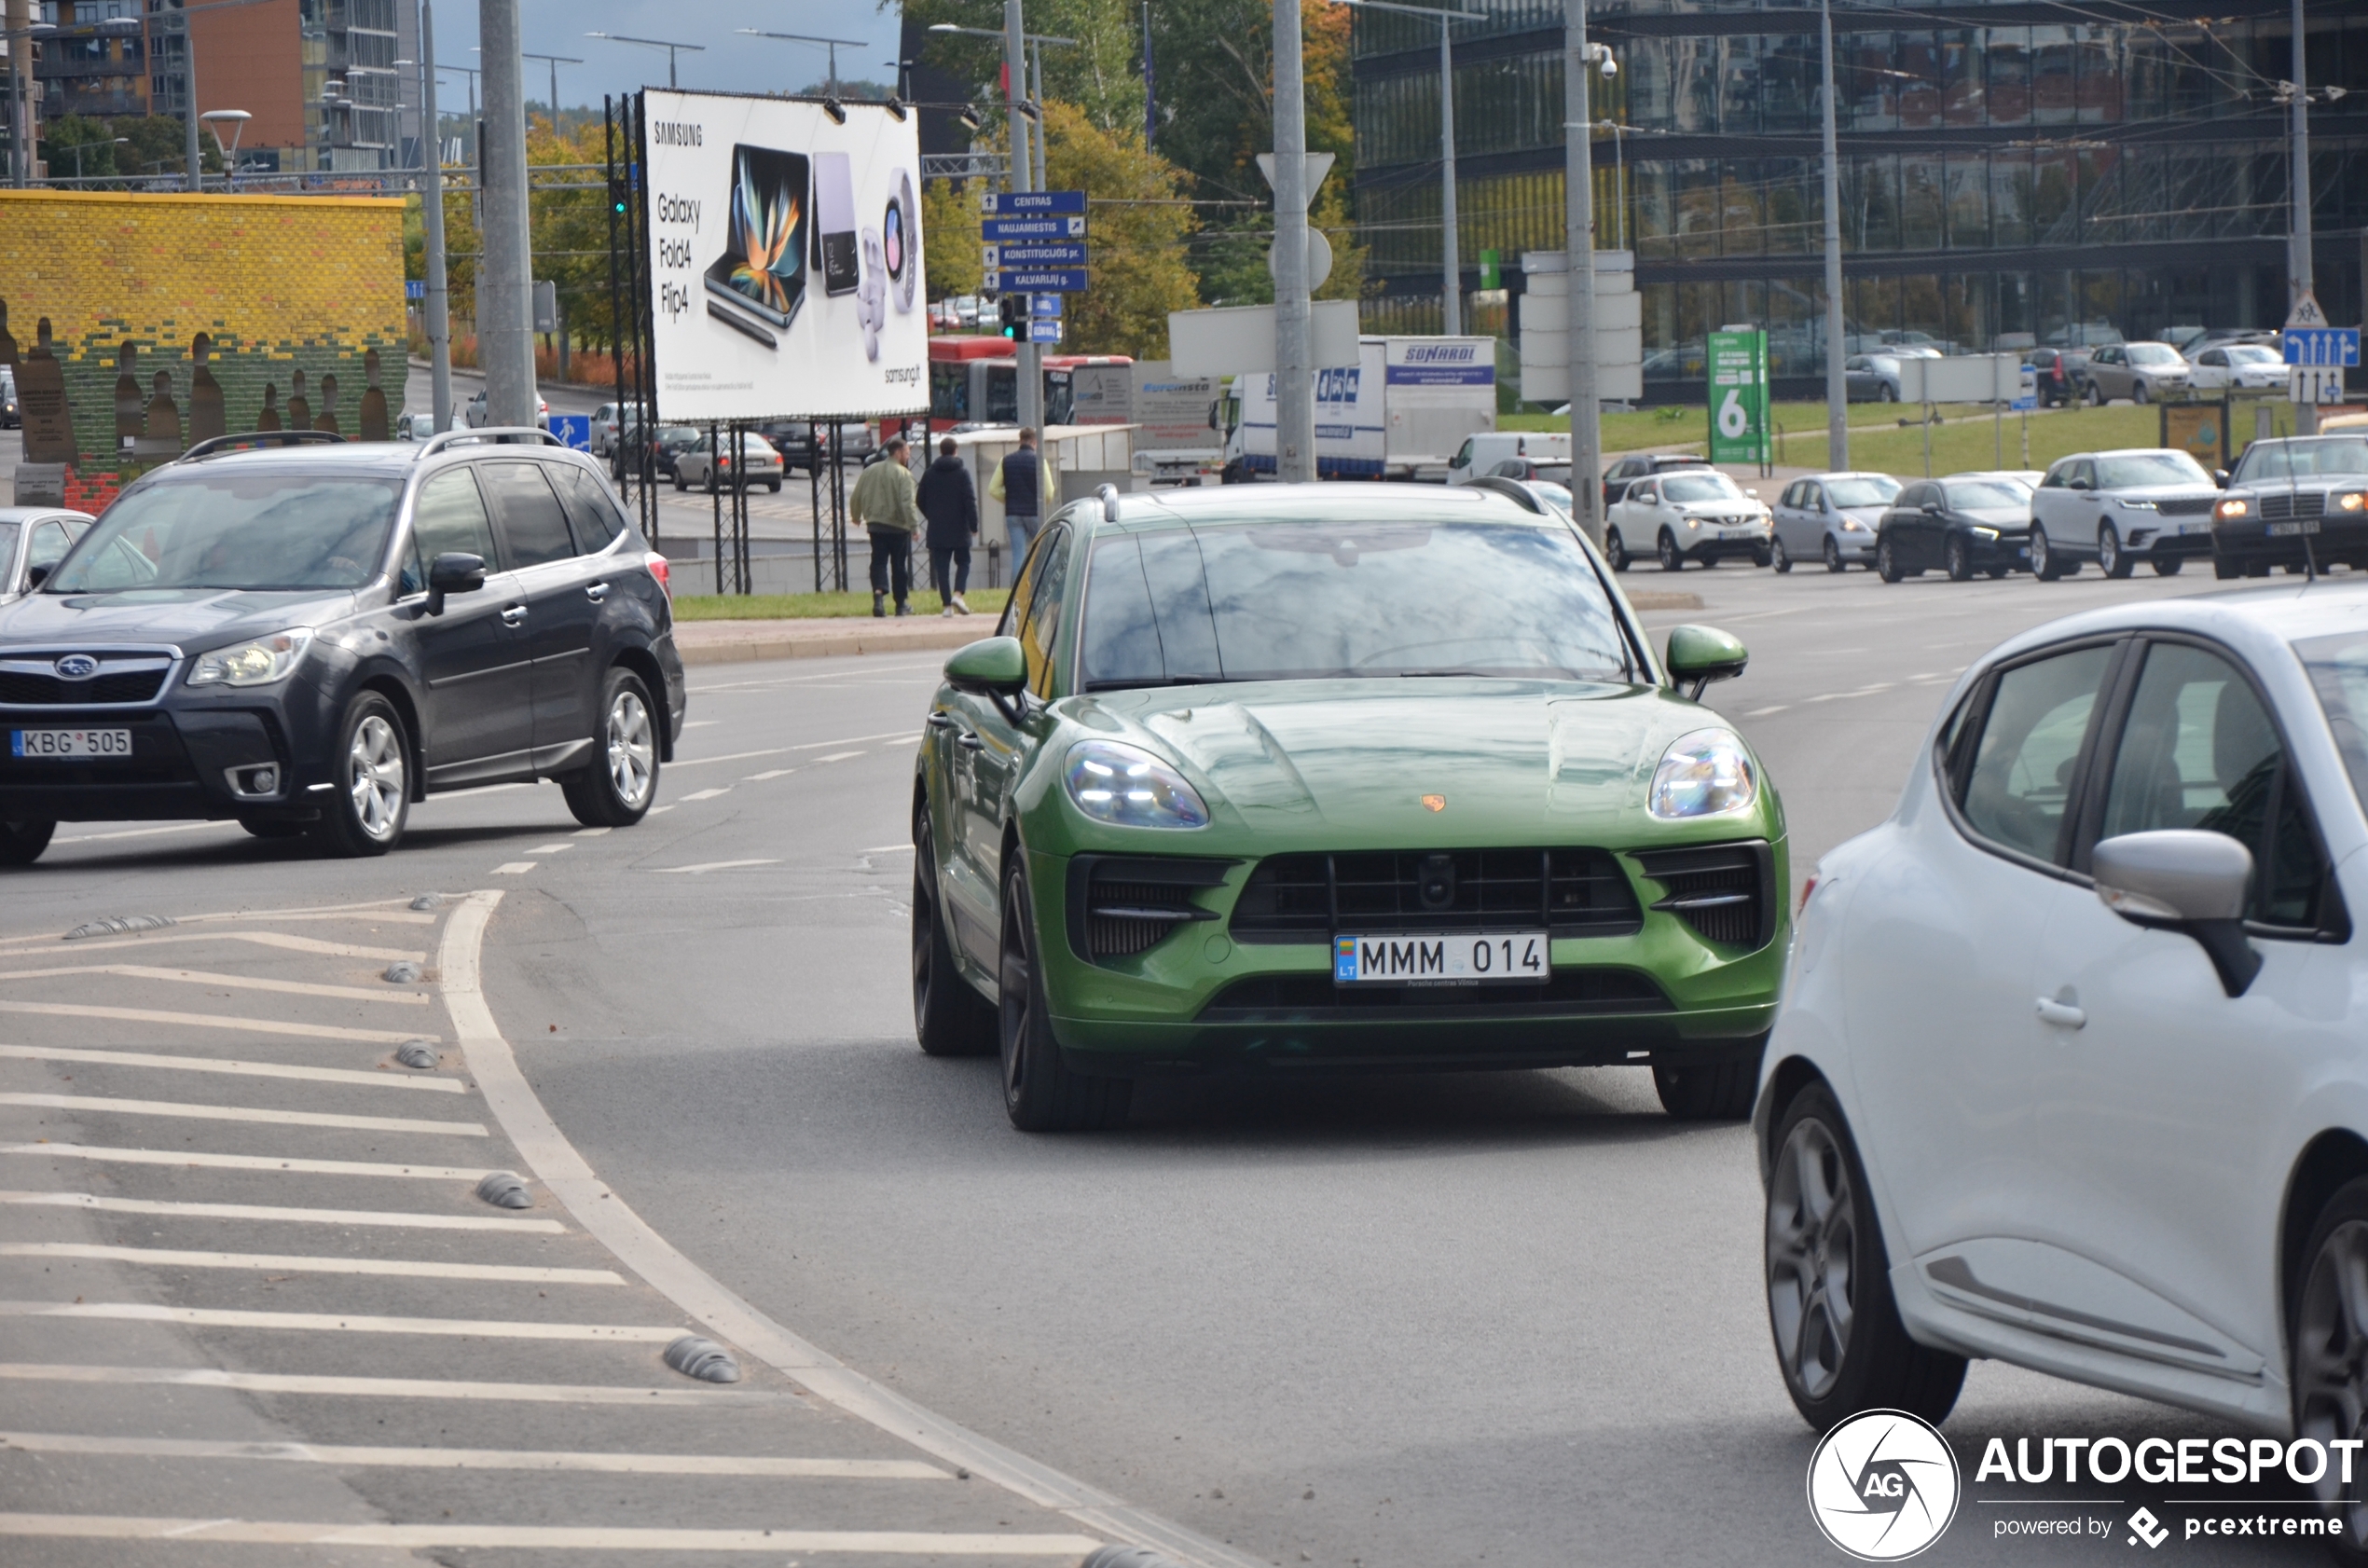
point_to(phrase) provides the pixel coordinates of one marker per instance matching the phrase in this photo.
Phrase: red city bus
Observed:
(975, 380)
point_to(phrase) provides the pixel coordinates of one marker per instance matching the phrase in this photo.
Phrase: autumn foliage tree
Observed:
(1136, 229)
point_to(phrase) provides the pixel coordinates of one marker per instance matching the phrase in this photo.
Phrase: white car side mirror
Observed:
(2182, 879)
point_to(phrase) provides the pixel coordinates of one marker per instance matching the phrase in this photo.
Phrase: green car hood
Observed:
(1511, 759)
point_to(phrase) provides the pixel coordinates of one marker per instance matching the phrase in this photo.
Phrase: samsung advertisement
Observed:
(785, 259)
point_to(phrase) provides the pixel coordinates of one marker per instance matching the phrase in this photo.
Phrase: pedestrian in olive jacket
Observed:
(951, 504)
(882, 501)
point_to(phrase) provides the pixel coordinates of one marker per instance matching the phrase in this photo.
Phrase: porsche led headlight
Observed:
(1705, 773)
(1129, 788)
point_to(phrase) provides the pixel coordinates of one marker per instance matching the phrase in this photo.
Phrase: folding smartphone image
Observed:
(763, 270)
(836, 254)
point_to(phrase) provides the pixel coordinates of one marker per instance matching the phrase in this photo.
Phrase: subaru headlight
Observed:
(252, 664)
(1706, 773)
(1129, 788)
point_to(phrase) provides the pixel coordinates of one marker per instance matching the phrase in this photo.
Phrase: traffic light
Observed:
(1014, 309)
(616, 197)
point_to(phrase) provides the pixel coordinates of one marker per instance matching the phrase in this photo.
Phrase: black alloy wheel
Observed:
(2227, 566)
(370, 798)
(2167, 566)
(1041, 1093)
(615, 788)
(2328, 1367)
(21, 843)
(1762, 555)
(949, 1017)
(1959, 560)
(2112, 559)
(1834, 562)
(1779, 556)
(1673, 560)
(1839, 1342)
(1887, 565)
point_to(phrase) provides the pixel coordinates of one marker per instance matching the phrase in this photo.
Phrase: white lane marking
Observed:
(144, 832)
(347, 1323)
(211, 1021)
(244, 1161)
(838, 756)
(481, 1459)
(704, 794)
(242, 1069)
(262, 938)
(591, 833)
(176, 1208)
(785, 751)
(542, 1537)
(229, 981)
(768, 774)
(550, 1158)
(706, 866)
(381, 1388)
(550, 849)
(701, 724)
(514, 868)
(306, 1263)
(885, 849)
(1764, 712)
(658, 810)
(99, 1105)
(390, 911)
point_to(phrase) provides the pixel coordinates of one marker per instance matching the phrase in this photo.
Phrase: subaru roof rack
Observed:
(215, 445)
(491, 435)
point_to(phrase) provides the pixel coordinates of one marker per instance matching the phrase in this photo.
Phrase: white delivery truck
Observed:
(1177, 437)
(1401, 412)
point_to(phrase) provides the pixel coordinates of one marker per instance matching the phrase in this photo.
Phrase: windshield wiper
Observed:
(1150, 681)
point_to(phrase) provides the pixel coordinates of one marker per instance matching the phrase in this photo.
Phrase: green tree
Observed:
(1138, 227)
(950, 237)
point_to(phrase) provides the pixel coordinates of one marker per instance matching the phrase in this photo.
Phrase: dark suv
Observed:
(312, 636)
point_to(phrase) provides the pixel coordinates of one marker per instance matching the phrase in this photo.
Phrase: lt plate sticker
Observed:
(1463, 958)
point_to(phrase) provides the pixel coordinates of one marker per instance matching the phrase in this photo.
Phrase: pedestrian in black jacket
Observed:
(951, 504)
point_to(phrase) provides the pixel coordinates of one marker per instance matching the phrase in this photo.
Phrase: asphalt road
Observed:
(1398, 1321)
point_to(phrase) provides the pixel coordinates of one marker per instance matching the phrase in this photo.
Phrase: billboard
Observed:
(1738, 396)
(785, 258)
(137, 324)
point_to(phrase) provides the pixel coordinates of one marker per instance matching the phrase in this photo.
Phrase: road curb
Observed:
(1645, 598)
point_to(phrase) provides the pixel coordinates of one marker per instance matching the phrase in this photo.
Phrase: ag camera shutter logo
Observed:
(1883, 1486)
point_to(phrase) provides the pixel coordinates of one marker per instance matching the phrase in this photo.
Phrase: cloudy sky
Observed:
(731, 61)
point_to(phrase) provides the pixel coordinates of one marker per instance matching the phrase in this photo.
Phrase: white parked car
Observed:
(2243, 366)
(2069, 1072)
(1830, 517)
(2148, 504)
(1692, 515)
(476, 414)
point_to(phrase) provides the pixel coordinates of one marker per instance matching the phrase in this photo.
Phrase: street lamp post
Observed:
(1453, 268)
(554, 61)
(833, 44)
(436, 310)
(1837, 378)
(1579, 221)
(670, 49)
(237, 120)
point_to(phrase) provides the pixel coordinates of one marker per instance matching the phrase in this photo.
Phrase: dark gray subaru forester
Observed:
(308, 635)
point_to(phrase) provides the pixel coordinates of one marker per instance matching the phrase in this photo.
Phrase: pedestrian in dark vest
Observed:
(951, 504)
(1019, 484)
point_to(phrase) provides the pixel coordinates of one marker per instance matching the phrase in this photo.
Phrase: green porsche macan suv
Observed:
(1337, 776)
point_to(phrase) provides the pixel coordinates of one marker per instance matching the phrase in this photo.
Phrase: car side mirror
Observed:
(2220, 477)
(455, 572)
(1930, 509)
(995, 667)
(1753, 494)
(2182, 879)
(2075, 484)
(1698, 655)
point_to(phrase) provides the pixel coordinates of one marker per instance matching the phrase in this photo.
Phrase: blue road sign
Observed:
(1039, 255)
(1013, 201)
(1050, 280)
(1045, 305)
(2026, 390)
(993, 230)
(2322, 345)
(415, 288)
(575, 430)
(1044, 331)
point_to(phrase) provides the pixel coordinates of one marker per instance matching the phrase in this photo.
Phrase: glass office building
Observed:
(2011, 172)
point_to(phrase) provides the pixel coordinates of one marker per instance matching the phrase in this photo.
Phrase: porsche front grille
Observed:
(1310, 898)
(1723, 890)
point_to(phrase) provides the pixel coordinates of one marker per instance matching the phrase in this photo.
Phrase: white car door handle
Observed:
(514, 615)
(2061, 1015)
(596, 592)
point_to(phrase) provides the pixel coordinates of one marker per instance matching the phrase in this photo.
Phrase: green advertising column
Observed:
(1737, 367)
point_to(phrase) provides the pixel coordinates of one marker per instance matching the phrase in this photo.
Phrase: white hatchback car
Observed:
(2071, 1070)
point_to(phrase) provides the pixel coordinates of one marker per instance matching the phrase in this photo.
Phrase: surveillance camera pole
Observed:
(435, 310)
(1579, 190)
(1836, 382)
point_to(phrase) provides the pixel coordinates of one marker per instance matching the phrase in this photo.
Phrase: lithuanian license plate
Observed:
(1462, 959)
(70, 743)
(2202, 526)
(2300, 525)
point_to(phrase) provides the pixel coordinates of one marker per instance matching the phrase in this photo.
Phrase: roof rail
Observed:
(489, 434)
(213, 444)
